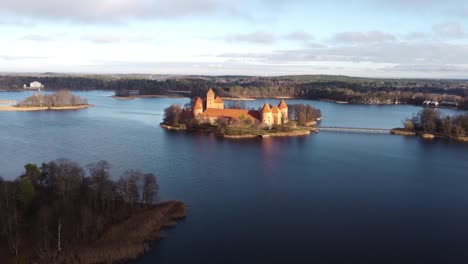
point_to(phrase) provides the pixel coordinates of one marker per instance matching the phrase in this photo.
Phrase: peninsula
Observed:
(211, 115)
(61, 100)
(429, 124)
(60, 212)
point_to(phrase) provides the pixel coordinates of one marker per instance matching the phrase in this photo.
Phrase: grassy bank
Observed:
(127, 240)
(11, 108)
(402, 132)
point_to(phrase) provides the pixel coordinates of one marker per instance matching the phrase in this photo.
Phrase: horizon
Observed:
(380, 39)
(86, 74)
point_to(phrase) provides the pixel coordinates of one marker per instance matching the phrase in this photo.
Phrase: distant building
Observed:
(449, 104)
(34, 85)
(215, 109)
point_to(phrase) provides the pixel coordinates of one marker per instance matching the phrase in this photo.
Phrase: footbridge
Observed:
(355, 130)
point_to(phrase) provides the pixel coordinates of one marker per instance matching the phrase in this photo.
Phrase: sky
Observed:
(368, 38)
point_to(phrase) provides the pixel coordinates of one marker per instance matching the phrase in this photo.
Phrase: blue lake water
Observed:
(324, 198)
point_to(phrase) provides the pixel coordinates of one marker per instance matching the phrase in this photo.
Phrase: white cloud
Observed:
(254, 38)
(299, 36)
(363, 37)
(393, 53)
(91, 11)
(449, 30)
(38, 37)
(116, 38)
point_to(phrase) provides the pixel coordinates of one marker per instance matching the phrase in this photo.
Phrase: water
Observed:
(324, 198)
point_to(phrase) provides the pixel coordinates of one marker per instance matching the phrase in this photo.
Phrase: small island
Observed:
(61, 100)
(60, 212)
(235, 121)
(429, 123)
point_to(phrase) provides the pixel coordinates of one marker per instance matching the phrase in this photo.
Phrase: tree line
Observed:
(340, 88)
(430, 120)
(57, 206)
(59, 99)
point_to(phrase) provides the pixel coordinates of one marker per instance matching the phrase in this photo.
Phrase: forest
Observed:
(337, 88)
(60, 212)
(430, 120)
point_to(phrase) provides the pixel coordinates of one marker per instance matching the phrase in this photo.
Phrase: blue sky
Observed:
(379, 38)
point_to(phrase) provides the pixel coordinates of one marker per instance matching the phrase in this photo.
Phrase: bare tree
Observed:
(128, 186)
(150, 189)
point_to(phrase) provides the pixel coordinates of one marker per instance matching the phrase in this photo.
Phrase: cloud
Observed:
(362, 37)
(299, 36)
(91, 11)
(38, 37)
(431, 68)
(15, 57)
(254, 38)
(416, 36)
(114, 38)
(394, 53)
(452, 30)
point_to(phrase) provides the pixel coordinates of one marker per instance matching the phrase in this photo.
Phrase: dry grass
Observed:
(11, 108)
(402, 132)
(128, 240)
(7, 101)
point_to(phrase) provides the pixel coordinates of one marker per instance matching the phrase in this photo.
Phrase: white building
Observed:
(34, 85)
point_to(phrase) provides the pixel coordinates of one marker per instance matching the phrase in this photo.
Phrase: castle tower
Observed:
(210, 99)
(284, 110)
(218, 103)
(198, 107)
(267, 115)
(276, 115)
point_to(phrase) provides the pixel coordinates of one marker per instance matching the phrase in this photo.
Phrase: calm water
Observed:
(325, 198)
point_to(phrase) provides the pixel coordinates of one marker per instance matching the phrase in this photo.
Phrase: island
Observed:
(60, 212)
(211, 116)
(429, 123)
(61, 100)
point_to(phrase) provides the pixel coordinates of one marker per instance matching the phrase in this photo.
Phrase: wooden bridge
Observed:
(355, 130)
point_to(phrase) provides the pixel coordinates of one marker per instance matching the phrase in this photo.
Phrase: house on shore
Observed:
(34, 86)
(212, 108)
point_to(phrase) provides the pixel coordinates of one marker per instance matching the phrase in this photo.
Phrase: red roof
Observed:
(231, 113)
(210, 91)
(218, 100)
(275, 109)
(282, 105)
(198, 103)
(266, 108)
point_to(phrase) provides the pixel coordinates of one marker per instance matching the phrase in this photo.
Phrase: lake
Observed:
(323, 198)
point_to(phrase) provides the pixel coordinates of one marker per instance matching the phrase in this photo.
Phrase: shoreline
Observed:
(43, 108)
(7, 102)
(425, 136)
(128, 240)
(332, 101)
(133, 97)
(267, 134)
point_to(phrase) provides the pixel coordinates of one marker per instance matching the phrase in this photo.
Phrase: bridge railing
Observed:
(355, 130)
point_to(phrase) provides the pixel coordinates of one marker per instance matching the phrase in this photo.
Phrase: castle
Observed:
(213, 109)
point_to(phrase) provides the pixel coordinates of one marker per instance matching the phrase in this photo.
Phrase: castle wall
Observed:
(267, 119)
